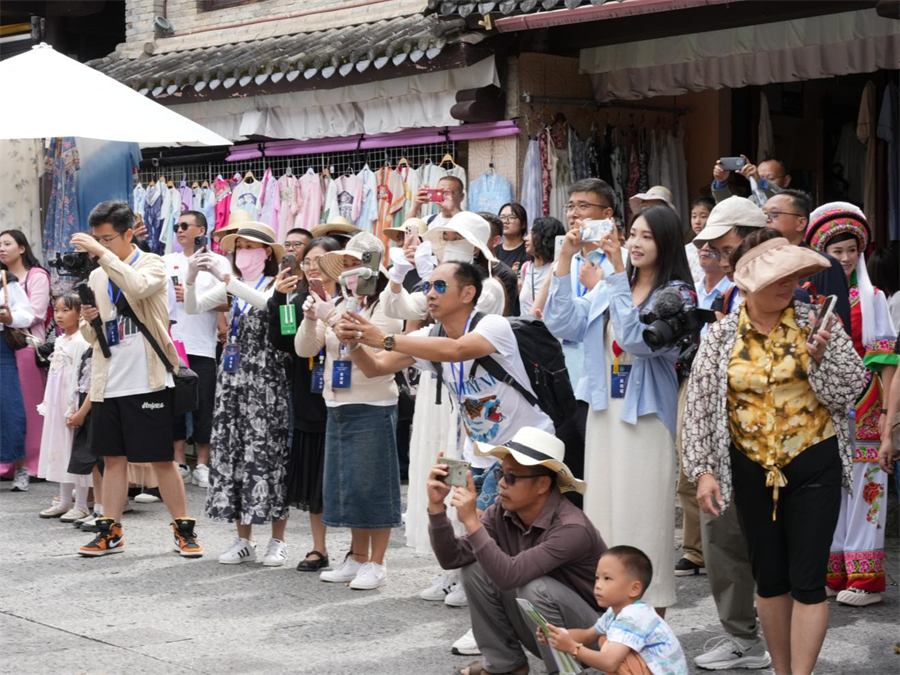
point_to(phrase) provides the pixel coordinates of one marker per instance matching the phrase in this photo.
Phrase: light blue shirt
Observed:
(653, 382)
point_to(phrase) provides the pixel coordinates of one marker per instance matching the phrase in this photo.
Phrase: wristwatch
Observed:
(388, 343)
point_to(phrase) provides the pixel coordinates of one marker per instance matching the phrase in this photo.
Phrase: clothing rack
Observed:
(530, 98)
(298, 164)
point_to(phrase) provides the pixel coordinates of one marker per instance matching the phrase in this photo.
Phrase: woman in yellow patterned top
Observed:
(766, 420)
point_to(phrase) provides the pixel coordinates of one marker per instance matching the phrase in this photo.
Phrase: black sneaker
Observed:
(686, 568)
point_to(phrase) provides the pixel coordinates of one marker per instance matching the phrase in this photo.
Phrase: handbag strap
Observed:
(126, 309)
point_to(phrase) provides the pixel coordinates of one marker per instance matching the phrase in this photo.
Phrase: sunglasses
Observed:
(511, 478)
(439, 286)
(181, 226)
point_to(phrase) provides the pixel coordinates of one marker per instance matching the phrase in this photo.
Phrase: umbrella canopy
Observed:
(48, 94)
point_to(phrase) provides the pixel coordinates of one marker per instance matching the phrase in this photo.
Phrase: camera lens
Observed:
(658, 334)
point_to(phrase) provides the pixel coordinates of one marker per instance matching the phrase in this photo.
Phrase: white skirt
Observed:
(631, 472)
(430, 431)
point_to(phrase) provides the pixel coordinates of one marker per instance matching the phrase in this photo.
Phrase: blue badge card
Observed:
(231, 358)
(317, 385)
(112, 332)
(340, 375)
(619, 383)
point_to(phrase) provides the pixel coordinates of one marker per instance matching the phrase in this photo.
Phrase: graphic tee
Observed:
(641, 629)
(491, 411)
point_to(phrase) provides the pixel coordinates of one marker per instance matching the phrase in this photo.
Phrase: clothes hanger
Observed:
(249, 177)
(162, 180)
(205, 184)
(195, 185)
(447, 158)
(404, 162)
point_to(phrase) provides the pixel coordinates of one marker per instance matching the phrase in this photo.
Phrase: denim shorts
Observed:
(361, 487)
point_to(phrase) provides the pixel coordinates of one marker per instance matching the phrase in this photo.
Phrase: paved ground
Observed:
(149, 611)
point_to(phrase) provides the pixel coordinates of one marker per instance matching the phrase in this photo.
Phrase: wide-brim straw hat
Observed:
(774, 260)
(254, 231)
(470, 226)
(533, 447)
(727, 215)
(236, 220)
(332, 263)
(398, 234)
(337, 225)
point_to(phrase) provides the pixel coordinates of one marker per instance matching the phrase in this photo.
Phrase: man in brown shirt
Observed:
(531, 544)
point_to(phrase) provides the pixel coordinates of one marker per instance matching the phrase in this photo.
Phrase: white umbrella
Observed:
(48, 94)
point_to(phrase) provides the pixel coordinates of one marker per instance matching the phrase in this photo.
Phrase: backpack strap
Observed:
(437, 330)
(493, 368)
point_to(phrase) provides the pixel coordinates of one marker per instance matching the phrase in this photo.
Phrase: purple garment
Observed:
(187, 196)
(61, 161)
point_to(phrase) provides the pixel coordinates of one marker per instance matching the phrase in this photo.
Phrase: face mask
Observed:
(458, 251)
(351, 284)
(251, 262)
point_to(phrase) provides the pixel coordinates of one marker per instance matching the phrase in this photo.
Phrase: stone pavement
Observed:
(149, 611)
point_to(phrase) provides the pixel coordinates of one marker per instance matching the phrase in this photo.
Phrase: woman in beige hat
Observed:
(249, 448)
(765, 420)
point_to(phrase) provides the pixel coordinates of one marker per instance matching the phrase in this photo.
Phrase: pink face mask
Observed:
(251, 262)
(351, 284)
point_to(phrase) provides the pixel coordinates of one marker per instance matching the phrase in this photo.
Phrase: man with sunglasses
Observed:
(198, 334)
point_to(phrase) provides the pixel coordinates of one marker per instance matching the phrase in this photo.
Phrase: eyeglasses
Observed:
(310, 264)
(106, 241)
(581, 207)
(294, 245)
(511, 478)
(775, 215)
(439, 286)
(509, 219)
(716, 255)
(181, 226)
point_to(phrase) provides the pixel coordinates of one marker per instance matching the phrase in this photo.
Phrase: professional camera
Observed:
(77, 264)
(675, 321)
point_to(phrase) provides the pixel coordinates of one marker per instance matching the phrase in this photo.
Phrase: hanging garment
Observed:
(20, 172)
(245, 197)
(187, 196)
(594, 153)
(866, 133)
(325, 183)
(766, 147)
(458, 172)
(309, 198)
(655, 161)
(606, 146)
(644, 161)
(152, 208)
(634, 173)
(848, 170)
(559, 194)
(61, 162)
(346, 197)
(616, 164)
(489, 193)
(368, 211)
(531, 182)
(578, 156)
(222, 192)
(679, 186)
(139, 199)
(546, 172)
(175, 204)
(410, 179)
(204, 201)
(106, 173)
(390, 197)
(287, 208)
(888, 131)
(269, 202)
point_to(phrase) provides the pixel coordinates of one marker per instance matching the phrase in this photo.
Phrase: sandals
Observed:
(313, 565)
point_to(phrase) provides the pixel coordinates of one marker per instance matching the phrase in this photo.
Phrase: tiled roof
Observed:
(464, 8)
(320, 54)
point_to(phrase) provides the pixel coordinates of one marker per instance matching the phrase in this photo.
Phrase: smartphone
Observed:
(200, 242)
(457, 471)
(595, 230)
(289, 261)
(557, 246)
(372, 261)
(718, 304)
(732, 163)
(411, 238)
(316, 286)
(826, 309)
(435, 195)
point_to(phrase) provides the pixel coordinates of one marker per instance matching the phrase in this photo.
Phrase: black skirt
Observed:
(306, 467)
(83, 458)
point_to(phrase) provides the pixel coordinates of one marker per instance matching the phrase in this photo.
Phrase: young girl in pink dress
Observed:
(60, 403)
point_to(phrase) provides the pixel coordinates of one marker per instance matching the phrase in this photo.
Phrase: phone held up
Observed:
(823, 319)
(201, 242)
(368, 285)
(289, 262)
(435, 195)
(732, 163)
(595, 230)
(457, 472)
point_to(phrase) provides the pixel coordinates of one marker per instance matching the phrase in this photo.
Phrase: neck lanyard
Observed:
(236, 315)
(109, 281)
(579, 289)
(462, 367)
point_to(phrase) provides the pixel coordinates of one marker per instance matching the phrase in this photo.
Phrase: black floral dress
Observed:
(249, 453)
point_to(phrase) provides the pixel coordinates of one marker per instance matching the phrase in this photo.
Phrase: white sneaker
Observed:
(57, 509)
(370, 576)
(21, 480)
(201, 476)
(727, 651)
(241, 551)
(466, 645)
(73, 514)
(146, 498)
(856, 597)
(185, 472)
(276, 554)
(343, 574)
(830, 592)
(457, 597)
(442, 587)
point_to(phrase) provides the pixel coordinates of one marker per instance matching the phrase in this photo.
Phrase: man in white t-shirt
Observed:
(454, 192)
(198, 334)
(131, 389)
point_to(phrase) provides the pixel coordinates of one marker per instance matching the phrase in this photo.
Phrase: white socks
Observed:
(65, 494)
(81, 495)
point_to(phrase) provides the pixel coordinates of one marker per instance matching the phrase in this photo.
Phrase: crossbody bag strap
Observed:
(126, 309)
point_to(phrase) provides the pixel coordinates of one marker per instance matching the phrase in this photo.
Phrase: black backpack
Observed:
(544, 362)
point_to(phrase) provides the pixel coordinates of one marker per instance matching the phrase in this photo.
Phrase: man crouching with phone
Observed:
(131, 393)
(531, 544)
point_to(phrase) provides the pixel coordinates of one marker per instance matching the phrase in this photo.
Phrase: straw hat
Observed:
(470, 226)
(237, 218)
(773, 260)
(254, 231)
(728, 214)
(397, 234)
(533, 447)
(332, 263)
(337, 225)
(656, 193)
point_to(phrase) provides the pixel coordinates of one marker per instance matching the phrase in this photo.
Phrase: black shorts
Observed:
(138, 427)
(790, 554)
(205, 368)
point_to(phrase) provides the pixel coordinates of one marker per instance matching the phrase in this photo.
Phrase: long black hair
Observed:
(28, 257)
(671, 261)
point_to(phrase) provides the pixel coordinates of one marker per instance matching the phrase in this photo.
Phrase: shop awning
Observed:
(787, 51)
(333, 57)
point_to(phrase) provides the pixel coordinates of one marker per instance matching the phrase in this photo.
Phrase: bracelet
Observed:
(575, 651)
(705, 472)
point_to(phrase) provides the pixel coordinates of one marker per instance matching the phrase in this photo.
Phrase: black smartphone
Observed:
(201, 241)
(289, 261)
(732, 163)
(826, 310)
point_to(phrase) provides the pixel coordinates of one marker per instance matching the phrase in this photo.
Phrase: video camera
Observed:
(675, 321)
(78, 265)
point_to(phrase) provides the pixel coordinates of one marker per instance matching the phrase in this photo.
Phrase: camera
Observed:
(77, 264)
(675, 321)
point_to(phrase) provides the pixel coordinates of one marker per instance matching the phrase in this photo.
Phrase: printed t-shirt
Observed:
(641, 629)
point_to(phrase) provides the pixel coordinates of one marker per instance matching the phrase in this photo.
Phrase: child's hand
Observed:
(540, 637)
(560, 639)
(74, 421)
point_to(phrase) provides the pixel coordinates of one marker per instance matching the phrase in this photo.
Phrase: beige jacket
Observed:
(144, 285)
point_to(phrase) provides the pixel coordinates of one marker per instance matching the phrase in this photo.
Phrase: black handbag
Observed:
(186, 396)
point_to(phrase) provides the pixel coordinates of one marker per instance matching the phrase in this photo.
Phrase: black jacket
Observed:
(833, 281)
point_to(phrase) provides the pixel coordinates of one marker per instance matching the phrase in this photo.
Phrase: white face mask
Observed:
(458, 251)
